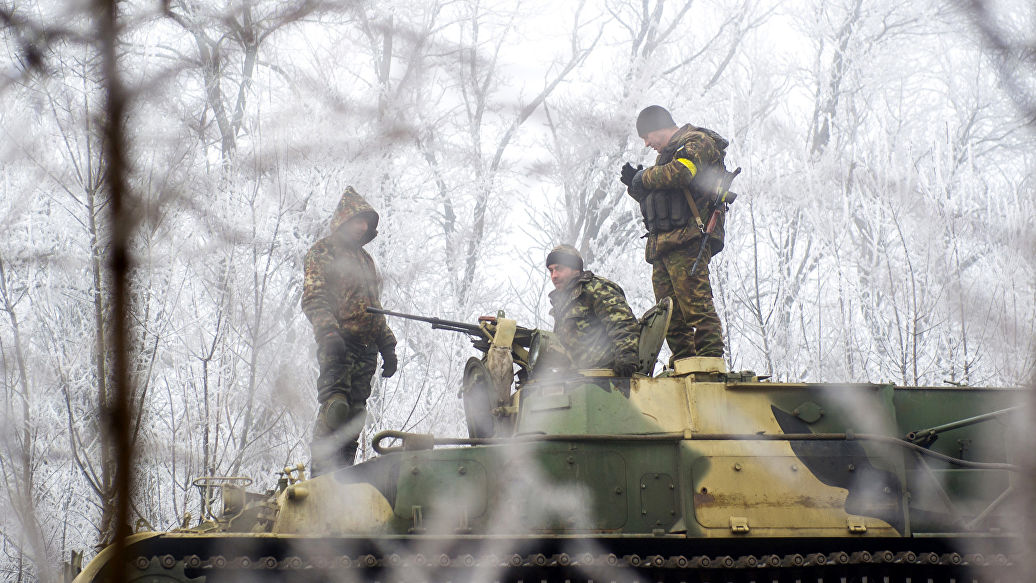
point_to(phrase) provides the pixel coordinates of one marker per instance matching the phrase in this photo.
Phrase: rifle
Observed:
(718, 203)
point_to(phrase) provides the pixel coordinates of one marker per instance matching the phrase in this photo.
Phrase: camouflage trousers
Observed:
(342, 389)
(695, 329)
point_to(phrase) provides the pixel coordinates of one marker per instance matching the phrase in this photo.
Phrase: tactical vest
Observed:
(665, 210)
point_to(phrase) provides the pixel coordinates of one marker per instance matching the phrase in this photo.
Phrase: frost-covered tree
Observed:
(882, 231)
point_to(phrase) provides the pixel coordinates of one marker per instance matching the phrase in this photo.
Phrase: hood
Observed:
(354, 205)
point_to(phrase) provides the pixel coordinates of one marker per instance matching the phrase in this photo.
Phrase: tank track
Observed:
(821, 567)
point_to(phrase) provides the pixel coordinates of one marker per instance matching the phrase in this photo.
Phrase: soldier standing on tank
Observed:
(592, 320)
(688, 157)
(340, 282)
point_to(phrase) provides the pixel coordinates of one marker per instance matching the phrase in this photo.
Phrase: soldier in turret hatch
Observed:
(671, 195)
(340, 282)
(592, 320)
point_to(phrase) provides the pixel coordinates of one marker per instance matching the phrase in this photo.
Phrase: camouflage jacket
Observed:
(688, 155)
(594, 323)
(341, 281)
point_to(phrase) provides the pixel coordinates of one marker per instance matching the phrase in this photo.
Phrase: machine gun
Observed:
(488, 380)
(482, 334)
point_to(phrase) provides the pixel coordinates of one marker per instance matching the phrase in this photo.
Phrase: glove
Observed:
(389, 363)
(628, 171)
(626, 367)
(335, 347)
(636, 188)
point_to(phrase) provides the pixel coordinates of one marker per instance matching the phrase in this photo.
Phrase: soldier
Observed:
(340, 282)
(592, 320)
(671, 193)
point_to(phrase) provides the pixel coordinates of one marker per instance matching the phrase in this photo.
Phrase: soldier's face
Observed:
(561, 274)
(658, 139)
(353, 230)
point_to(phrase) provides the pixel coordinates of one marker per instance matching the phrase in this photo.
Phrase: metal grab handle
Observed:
(426, 441)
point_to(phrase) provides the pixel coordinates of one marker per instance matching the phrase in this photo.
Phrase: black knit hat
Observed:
(566, 255)
(654, 117)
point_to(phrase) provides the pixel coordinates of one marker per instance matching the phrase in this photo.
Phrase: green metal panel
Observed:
(596, 406)
(450, 481)
(921, 408)
(948, 500)
(550, 408)
(592, 475)
(658, 500)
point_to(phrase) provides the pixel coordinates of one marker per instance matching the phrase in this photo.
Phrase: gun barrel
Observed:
(437, 323)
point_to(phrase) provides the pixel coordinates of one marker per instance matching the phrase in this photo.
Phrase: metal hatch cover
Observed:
(653, 327)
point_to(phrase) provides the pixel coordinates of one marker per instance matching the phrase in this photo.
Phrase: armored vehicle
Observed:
(693, 474)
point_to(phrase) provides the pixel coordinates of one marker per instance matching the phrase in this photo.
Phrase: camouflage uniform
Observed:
(695, 329)
(340, 282)
(594, 323)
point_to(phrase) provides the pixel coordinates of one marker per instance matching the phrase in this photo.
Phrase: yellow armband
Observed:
(690, 165)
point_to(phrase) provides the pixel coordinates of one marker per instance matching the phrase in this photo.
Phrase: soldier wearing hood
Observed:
(670, 195)
(592, 320)
(340, 282)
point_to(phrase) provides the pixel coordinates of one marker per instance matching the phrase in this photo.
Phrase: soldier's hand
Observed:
(389, 363)
(625, 368)
(627, 173)
(335, 347)
(636, 188)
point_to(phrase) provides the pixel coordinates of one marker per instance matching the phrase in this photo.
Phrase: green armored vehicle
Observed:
(697, 474)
